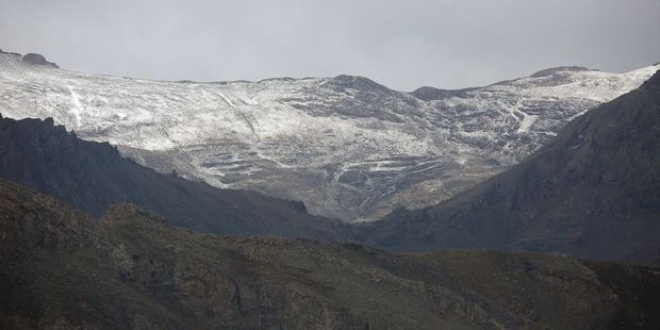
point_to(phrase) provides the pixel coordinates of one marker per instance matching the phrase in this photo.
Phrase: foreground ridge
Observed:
(61, 269)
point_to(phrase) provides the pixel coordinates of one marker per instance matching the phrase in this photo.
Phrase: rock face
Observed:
(92, 176)
(63, 270)
(345, 146)
(37, 59)
(592, 192)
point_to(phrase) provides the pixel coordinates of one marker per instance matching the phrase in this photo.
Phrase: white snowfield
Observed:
(345, 146)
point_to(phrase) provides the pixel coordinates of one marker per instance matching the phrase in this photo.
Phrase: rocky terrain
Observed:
(61, 269)
(345, 146)
(592, 192)
(92, 176)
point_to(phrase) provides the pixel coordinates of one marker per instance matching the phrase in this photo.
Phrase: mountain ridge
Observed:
(347, 147)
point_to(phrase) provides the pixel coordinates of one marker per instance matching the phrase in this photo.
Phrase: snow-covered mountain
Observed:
(345, 146)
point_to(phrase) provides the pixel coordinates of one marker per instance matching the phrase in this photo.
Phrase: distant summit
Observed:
(37, 59)
(31, 59)
(550, 71)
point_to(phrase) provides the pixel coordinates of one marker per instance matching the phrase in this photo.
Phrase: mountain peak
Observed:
(30, 59)
(357, 82)
(427, 93)
(550, 71)
(37, 59)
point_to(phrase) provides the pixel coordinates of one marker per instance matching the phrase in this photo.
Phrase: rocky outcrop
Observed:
(37, 59)
(559, 69)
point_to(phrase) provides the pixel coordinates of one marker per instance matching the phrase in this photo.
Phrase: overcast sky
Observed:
(402, 44)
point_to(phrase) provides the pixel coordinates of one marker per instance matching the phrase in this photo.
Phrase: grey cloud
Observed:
(403, 44)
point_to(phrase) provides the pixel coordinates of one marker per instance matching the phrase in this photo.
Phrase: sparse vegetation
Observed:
(63, 270)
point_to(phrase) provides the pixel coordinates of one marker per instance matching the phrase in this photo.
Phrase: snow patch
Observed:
(227, 100)
(77, 108)
(526, 122)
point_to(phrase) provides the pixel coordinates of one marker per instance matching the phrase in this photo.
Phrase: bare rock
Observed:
(37, 59)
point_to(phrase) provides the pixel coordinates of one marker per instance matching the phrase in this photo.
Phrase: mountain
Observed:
(93, 176)
(593, 192)
(346, 146)
(60, 269)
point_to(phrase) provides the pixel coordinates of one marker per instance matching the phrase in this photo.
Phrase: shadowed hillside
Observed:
(59, 269)
(92, 176)
(593, 192)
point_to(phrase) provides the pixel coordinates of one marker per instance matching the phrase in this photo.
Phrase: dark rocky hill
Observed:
(60, 269)
(92, 176)
(593, 192)
(37, 59)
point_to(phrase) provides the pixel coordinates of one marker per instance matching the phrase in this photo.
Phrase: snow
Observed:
(593, 85)
(526, 123)
(227, 100)
(309, 125)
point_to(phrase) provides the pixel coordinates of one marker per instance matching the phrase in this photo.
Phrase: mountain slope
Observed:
(92, 176)
(345, 146)
(593, 192)
(62, 270)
